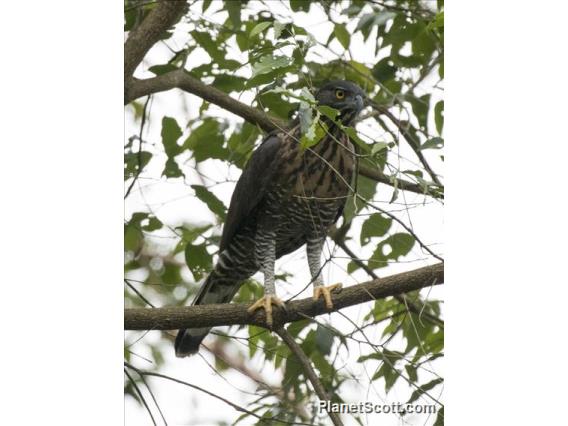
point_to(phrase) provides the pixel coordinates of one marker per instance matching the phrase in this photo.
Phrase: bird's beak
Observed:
(359, 104)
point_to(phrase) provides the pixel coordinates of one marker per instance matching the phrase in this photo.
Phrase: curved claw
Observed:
(326, 292)
(266, 303)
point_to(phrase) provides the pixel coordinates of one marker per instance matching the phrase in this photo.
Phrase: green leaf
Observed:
(389, 374)
(189, 233)
(384, 70)
(378, 148)
(162, 69)
(131, 160)
(214, 204)
(376, 225)
(352, 267)
(328, 111)
(278, 28)
(153, 224)
(229, 83)
(300, 5)
(269, 63)
(366, 189)
(316, 132)
(171, 169)
(424, 388)
(371, 19)
(433, 143)
(437, 23)
(342, 35)
(395, 246)
(206, 141)
(205, 5)
(439, 116)
(171, 274)
(171, 132)
(420, 107)
(209, 45)
(412, 373)
(354, 137)
(259, 28)
(198, 260)
(234, 9)
(440, 418)
(297, 326)
(324, 340)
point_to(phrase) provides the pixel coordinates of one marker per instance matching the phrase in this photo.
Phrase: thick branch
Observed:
(145, 35)
(183, 80)
(171, 318)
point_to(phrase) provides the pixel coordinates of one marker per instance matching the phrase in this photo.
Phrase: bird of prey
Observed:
(287, 196)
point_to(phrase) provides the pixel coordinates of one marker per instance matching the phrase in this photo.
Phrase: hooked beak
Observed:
(359, 104)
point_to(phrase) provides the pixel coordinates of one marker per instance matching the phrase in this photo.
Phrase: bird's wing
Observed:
(251, 187)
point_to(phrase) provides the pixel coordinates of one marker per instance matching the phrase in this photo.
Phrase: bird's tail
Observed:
(215, 289)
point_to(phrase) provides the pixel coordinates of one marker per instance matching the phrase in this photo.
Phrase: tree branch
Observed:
(402, 184)
(414, 144)
(145, 35)
(171, 318)
(308, 370)
(181, 79)
(339, 239)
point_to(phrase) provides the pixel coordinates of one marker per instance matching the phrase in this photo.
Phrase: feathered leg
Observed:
(266, 253)
(314, 248)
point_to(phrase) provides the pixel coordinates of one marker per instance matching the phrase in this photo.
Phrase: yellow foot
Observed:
(326, 292)
(266, 303)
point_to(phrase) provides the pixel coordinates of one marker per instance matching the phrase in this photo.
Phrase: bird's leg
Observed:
(266, 252)
(314, 248)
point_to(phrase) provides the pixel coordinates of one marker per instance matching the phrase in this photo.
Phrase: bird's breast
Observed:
(322, 172)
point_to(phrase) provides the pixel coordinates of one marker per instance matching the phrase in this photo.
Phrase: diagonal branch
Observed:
(171, 318)
(402, 184)
(414, 144)
(181, 79)
(145, 35)
(308, 370)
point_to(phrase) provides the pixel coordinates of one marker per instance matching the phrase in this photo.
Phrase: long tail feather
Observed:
(213, 290)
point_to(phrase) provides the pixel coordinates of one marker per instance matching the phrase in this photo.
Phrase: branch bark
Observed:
(308, 369)
(181, 79)
(145, 35)
(171, 318)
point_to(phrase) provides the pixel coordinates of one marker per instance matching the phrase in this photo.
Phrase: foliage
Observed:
(278, 63)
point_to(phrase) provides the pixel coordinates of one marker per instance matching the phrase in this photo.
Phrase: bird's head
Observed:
(345, 96)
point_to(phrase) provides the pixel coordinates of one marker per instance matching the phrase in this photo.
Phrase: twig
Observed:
(414, 144)
(139, 154)
(226, 401)
(308, 370)
(401, 298)
(404, 225)
(140, 394)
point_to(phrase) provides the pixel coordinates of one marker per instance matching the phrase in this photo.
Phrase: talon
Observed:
(266, 303)
(326, 292)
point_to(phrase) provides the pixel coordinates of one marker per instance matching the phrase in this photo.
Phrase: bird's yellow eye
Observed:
(339, 94)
